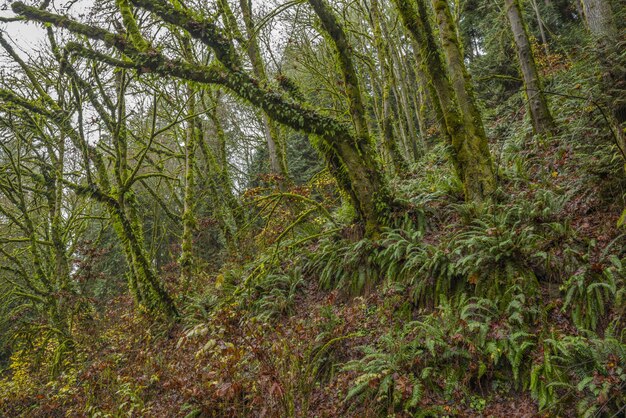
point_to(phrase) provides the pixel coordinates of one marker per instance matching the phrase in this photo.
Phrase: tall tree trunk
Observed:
(218, 177)
(278, 163)
(186, 260)
(387, 116)
(427, 94)
(151, 290)
(540, 25)
(600, 21)
(542, 121)
(406, 86)
(55, 202)
(124, 207)
(193, 135)
(464, 91)
(470, 154)
(402, 86)
(369, 191)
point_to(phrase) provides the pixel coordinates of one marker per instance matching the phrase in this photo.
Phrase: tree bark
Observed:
(186, 260)
(600, 21)
(278, 164)
(540, 115)
(540, 24)
(387, 117)
(481, 170)
(362, 163)
(470, 154)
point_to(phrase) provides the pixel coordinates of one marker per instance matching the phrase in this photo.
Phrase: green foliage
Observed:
(586, 370)
(261, 290)
(426, 269)
(493, 253)
(444, 352)
(275, 294)
(378, 374)
(464, 309)
(462, 343)
(342, 264)
(505, 246)
(500, 248)
(435, 178)
(592, 292)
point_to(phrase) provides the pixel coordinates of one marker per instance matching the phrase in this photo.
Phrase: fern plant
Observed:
(382, 369)
(275, 294)
(504, 247)
(445, 352)
(494, 253)
(425, 268)
(589, 371)
(345, 265)
(592, 292)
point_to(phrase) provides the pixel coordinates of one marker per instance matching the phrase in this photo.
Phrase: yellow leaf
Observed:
(219, 281)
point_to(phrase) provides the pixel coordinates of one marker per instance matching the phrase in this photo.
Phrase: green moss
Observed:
(131, 25)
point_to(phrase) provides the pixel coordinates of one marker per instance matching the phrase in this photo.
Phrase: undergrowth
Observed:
(456, 309)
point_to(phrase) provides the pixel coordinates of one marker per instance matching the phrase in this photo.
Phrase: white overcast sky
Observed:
(26, 35)
(23, 34)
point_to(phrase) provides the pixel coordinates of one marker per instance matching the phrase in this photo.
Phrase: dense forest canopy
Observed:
(312, 208)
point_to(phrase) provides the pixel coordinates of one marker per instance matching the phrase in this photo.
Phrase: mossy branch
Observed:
(128, 18)
(201, 29)
(277, 106)
(304, 199)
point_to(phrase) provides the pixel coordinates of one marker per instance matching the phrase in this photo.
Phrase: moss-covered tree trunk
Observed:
(403, 86)
(217, 177)
(370, 194)
(387, 119)
(478, 145)
(126, 211)
(600, 21)
(146, 282)
(541, 118)
(470, 153)
(406, 92)
(275, 146)
(186, 260)
(428, 94)
(54, 195)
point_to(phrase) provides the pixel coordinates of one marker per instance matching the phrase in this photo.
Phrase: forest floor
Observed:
(234, 364)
